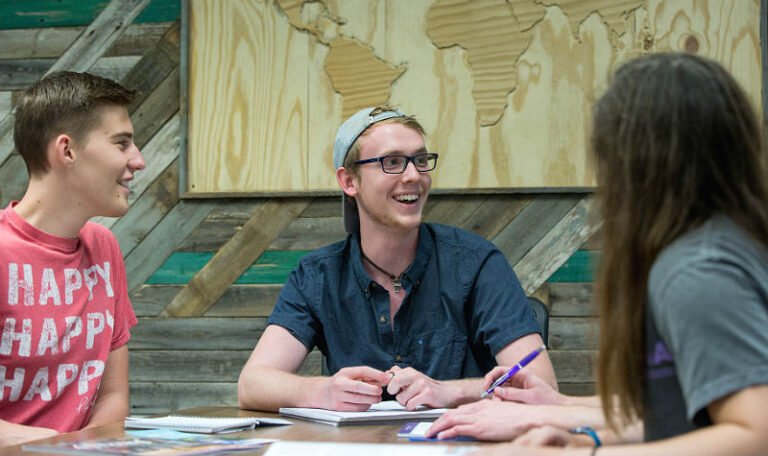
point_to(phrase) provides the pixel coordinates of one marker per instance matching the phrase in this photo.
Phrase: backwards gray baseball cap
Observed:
(347, 135)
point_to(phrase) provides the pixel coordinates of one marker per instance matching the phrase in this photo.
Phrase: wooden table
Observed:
(300, 430)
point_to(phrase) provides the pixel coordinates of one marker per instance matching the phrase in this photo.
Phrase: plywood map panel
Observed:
(503, 88)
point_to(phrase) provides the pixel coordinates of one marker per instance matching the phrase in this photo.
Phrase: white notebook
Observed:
(201, 424)
(382, 412)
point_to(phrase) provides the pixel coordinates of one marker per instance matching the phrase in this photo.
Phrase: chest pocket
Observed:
(439, 353)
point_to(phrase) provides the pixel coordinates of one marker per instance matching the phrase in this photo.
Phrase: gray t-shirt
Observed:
(706, 325)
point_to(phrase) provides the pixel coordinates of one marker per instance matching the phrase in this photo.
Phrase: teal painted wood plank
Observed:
(273, 267)
(16, 14)
(580, 267)
(179, 268)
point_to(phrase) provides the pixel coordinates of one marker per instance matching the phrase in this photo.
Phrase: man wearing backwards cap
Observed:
(403, 308)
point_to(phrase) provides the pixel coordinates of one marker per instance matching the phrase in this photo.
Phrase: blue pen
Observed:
(515, 369)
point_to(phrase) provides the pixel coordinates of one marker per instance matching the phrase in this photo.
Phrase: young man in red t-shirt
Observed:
(65, 315)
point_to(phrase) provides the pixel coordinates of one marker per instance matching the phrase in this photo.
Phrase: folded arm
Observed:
(740, 421)
(739, 427)
(529, 400)
(269, 381)
(112, 400)
(413, 388)
(16, 434)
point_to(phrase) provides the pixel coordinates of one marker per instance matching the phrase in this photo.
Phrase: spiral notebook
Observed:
(201, 424)
(383, 412)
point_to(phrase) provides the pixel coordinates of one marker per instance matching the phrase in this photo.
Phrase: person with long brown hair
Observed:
(683, 279)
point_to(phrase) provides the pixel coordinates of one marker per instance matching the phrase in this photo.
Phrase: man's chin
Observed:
(410, 223)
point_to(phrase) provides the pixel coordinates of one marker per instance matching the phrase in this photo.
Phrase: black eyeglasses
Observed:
(397, 164)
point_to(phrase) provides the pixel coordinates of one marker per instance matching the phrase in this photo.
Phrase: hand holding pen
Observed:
(514, 370)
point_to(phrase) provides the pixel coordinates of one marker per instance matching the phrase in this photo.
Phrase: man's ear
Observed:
(60, 150)
(347, 181)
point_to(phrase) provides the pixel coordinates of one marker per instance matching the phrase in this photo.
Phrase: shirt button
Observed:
(383, 319)
(398, 358)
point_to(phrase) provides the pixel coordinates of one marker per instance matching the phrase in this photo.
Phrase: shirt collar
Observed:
(412, 275)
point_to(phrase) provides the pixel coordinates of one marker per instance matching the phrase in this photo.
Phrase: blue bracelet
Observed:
(586, 430)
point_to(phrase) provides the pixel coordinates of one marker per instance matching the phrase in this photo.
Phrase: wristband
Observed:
(586, 430)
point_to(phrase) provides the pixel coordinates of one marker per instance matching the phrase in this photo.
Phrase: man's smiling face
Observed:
(393, 201)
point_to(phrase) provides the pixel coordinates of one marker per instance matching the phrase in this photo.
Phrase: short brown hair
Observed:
(62, 102)
(354, 152)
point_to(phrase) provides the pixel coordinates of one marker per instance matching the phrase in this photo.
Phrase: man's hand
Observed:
(525, 387)
(354, 389)
(16, 434)
(412, 389)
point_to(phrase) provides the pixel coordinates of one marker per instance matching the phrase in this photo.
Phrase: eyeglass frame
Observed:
(408, 159)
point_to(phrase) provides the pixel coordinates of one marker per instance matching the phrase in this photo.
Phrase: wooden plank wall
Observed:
(204, 274)
(203, 355)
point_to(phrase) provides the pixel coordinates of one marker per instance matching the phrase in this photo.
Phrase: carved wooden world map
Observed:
(504, 88)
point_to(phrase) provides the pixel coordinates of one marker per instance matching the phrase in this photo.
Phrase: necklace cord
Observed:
(395, 278)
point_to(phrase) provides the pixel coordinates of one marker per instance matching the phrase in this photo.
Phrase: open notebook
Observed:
(201, 424)
(383, 412)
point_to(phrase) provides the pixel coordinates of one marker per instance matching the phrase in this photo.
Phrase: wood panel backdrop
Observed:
(503, 87)
(487, 78)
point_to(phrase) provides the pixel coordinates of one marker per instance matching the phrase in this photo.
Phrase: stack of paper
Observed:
(383, 412)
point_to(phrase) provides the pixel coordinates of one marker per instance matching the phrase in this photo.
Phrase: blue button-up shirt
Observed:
(463, 304)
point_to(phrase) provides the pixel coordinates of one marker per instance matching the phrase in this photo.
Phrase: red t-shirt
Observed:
(63, 307)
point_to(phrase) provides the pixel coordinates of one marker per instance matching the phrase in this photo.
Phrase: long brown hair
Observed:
(675, 141)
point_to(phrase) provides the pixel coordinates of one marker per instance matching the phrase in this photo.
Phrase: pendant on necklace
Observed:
(396, 284)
